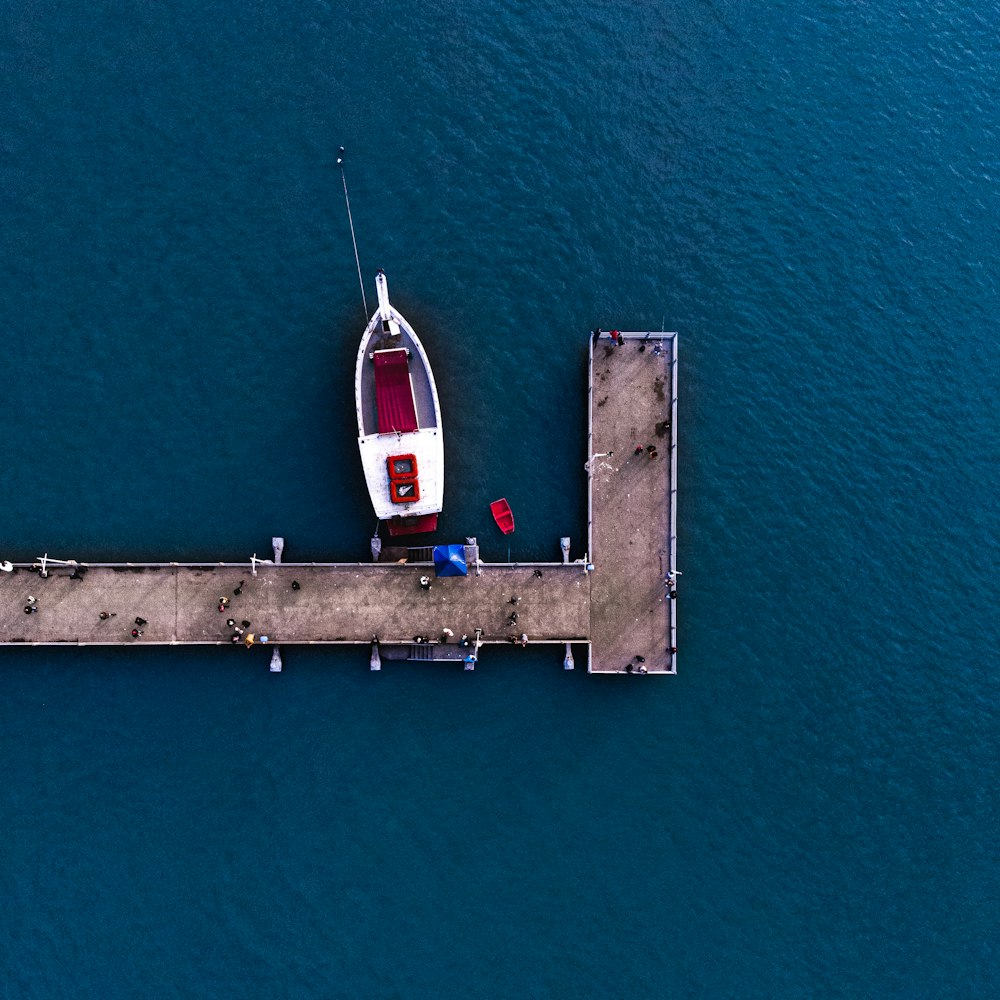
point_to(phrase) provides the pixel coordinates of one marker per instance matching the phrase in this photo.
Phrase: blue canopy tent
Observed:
(449, 560)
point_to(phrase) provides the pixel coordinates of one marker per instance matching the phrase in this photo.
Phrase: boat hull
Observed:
(399, 422)
(503, 516)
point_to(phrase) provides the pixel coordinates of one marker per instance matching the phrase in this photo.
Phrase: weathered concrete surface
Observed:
(334, 603)
(633, 545)
(622, 606)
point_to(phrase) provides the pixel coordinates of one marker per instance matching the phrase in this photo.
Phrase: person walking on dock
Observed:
(141, 621)
(425, 583)
(105, 615)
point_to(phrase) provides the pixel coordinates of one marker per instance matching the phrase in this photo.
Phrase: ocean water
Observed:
(808, 194)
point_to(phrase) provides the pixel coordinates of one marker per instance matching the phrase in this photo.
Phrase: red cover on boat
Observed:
(412, 525)
(393, 392)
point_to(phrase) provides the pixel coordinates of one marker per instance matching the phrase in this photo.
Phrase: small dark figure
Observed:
(245, 623)
(464, 640)
(638, 449)
(136, 632)
(235, 637)
(230, 622)
(650, 449)
(295, 585)
(28, 608)
(513, 618)
(673, 595)
(104, 616)
(597, 335)
(239, 589)
(629, 668)
(537, 572)
(425, 583)
(652, 454)
(640, 659)
(515, 599)
(141, 621)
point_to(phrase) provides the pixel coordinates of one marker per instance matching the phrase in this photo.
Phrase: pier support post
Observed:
(568, 662)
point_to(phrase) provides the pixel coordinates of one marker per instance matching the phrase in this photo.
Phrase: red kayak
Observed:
(503, 515)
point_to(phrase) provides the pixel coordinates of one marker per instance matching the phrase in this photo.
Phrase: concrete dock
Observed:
(615, 599)
(632, 506)
(333, 603)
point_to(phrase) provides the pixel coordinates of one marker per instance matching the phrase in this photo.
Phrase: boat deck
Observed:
(420, 390)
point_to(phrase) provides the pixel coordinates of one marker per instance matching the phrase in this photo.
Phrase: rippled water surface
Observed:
(808, 194)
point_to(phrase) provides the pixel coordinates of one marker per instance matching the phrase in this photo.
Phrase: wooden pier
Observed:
(615, 599)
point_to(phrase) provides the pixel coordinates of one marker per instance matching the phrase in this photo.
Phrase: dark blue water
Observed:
(808, 193)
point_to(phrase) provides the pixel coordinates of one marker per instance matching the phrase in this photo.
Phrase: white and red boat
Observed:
(399, 422)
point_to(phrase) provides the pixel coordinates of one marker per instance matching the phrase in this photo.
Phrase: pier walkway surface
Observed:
(632, 511)
(333, 603)
(617, 598)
